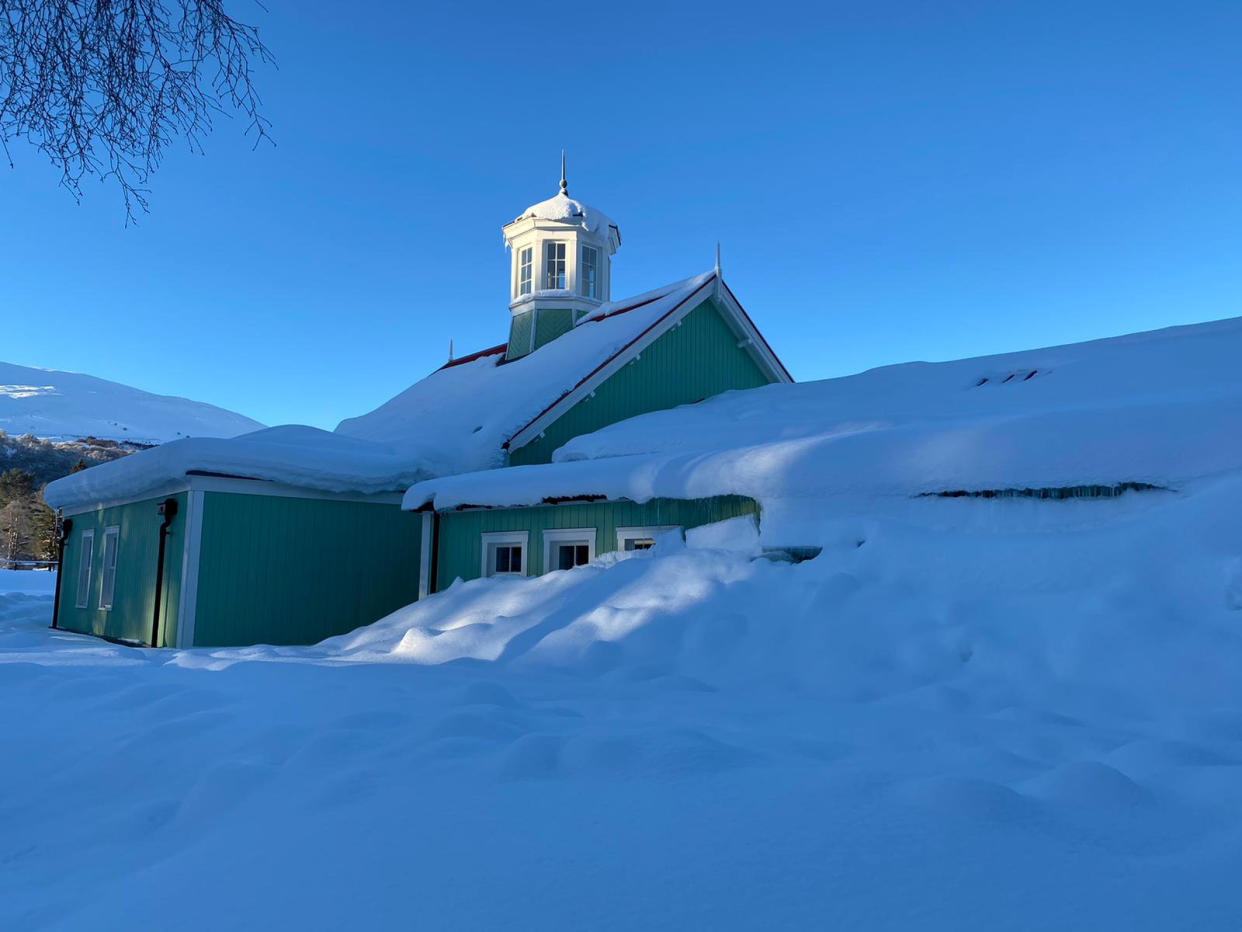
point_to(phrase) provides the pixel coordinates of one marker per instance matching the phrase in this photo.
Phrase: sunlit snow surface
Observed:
(69, 406)
(963, 714)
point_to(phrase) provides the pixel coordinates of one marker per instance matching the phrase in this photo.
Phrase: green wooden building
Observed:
(291, 534)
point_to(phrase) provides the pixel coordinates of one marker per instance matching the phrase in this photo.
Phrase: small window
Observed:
(504, 553)
(554, 266)
(589, 273)
(507, 558)
(565, 549)
(84, 569)
(526, 262)
(630, 539)
(112, 540)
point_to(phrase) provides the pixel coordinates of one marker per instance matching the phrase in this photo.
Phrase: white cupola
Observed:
(560, 267)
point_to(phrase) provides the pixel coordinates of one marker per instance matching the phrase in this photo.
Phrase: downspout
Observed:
(168, 511)
(435, 551)
(65, 527)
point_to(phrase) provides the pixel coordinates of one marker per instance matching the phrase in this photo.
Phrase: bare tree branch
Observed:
(102, 86)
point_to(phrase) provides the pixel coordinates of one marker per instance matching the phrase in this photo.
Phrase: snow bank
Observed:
(953, 710)
(1163, 408)
(68, 406)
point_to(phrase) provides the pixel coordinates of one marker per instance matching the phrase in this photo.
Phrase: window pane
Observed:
(587, 273)
(84, 570)
(582, 555)
(515, 559)
(639, 543)
(108, 582)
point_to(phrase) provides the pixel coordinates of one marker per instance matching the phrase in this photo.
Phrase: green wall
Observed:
(134, 594)
(552, 323)
(277, 570)
(691, 362)
(461, 552)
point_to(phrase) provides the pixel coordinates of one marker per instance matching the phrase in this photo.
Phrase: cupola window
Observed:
(589, 272)
(526, 262)
(554, 266)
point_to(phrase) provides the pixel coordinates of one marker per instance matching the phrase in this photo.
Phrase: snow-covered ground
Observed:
(964, 714)
(59, 405)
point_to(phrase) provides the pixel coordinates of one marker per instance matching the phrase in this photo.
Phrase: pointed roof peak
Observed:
(564, 183)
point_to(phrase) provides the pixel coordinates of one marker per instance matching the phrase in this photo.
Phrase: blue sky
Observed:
(890, 181)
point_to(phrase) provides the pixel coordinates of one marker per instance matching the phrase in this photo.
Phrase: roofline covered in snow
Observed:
(752, 340)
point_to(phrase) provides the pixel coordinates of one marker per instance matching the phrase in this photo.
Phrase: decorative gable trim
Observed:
(737, 318)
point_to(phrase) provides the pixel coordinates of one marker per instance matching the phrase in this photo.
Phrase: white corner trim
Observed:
(187, 604)
(490, 538)
(424, 557)
(576, 535)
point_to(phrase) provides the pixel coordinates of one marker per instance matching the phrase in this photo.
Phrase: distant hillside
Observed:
(58, 405)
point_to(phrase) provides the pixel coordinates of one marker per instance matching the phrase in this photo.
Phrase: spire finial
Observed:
(718, 258)
(564, 183)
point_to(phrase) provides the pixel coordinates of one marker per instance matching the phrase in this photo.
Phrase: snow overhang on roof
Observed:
(303, 457)
(562, 208)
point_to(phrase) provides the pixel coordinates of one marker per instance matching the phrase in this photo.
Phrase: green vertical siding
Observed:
(461, 552)
(276, 570)
(552, 323)
(133, 599)
(696, 360)
(519, 335)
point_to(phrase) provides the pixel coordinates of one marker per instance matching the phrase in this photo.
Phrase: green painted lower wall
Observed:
(133, 603)
(696, 360)
(461, 549)
(280, 570)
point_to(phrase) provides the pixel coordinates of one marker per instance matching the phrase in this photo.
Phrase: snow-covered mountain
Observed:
(59, 405)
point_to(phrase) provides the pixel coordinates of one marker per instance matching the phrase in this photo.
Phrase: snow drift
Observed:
(1159, 409)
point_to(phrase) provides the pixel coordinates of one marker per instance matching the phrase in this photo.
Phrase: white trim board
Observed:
(504, 538)
(427, 532)
(577, 535)
(239, 486)
(187, 604)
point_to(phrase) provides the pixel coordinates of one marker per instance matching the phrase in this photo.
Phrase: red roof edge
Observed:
(490, 351)
(663, 317)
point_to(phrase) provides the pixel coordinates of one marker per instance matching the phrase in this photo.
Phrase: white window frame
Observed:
(85, 563)
(546, 268)
(582, 282)
(523, 266)
(642, 533)
(575, 535)
(493, 539)
(107, 574)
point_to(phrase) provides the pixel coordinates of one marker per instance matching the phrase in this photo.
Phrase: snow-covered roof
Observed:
(1163, 408)
(457, 419)
(291, 454)
(460, 417)
(564, 209)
